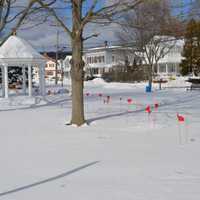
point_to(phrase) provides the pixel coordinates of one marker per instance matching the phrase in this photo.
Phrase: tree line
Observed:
(191, 51)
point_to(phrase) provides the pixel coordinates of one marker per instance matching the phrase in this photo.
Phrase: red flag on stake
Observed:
(100, 94)
(129, 100)
(148, 109)
(120, 103)
(108, 100)
(87, 94)
(180, 118)
(156, 105)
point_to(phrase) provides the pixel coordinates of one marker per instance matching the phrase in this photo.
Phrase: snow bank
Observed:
(178, 82)
(120, 86)
(98, 81)
(18, 102)
(122, 155)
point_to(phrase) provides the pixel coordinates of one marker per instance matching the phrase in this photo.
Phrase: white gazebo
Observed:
(17, 52)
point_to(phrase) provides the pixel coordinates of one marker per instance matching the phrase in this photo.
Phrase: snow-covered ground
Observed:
(123, 154)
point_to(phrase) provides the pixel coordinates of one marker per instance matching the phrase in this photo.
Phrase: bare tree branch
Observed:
(54, 14)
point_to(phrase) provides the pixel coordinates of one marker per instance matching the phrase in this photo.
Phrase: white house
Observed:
(102, 59)
(50, 69)
(66, 66)
(165, 52)
(170, 63)
(63, 67)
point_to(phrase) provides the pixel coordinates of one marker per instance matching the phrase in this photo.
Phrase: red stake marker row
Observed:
(180, 118)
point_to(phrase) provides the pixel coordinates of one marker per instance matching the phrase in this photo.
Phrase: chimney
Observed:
(45, 54)
(14, 32)
(106, 43)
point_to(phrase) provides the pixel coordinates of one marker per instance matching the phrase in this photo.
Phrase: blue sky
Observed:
(43, 36)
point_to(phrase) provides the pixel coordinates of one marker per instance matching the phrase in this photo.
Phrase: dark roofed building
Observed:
(61, 55)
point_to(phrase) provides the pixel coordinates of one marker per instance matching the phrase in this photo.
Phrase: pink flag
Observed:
(129, 100)
(180, 118)
(156, 105)
(100, 94)
(148, 109)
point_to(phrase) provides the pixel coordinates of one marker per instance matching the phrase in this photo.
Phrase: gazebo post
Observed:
(166, 68)
(158, 69)
(6, 80)
(24, 79)
(29, 80)
(2, 81)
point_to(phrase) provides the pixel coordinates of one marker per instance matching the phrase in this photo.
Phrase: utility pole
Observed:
(57, 50)
(62, 72)
(57, 47)
(180, 6)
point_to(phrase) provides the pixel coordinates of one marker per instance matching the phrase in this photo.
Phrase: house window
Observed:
(49, 73)
(95, 59)
(95, 71)
(113, 58)
(162, 68)
(171, 68)
(106, 70)
(98, 59)
(51, 65)
(103, 59)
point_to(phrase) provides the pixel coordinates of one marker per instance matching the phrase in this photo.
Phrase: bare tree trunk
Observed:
(91, 13)
(1, 9)
(77, 83)
(77, 66)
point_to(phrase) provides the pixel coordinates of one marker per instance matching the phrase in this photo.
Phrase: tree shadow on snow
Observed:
(54, 178)
(176, 102)
(89, 121)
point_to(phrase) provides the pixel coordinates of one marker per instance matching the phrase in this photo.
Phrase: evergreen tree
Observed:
(191, 51)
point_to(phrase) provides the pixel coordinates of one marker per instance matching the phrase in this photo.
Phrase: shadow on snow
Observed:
(48, 180)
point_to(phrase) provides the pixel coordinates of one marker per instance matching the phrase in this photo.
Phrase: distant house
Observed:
(103, 59)
(170, 63)
(66, 66)
(100, 60)
(168, 55)
(50, 68)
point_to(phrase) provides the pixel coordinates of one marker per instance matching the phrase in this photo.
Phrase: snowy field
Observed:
(124, 153)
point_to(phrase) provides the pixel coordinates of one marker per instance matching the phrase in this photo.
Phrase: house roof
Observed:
(52, 54)
(47, 58)
(16, 47)
(17, 50)
(105, 48)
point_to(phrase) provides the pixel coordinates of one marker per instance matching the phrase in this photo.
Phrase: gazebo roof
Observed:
(16, 50)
